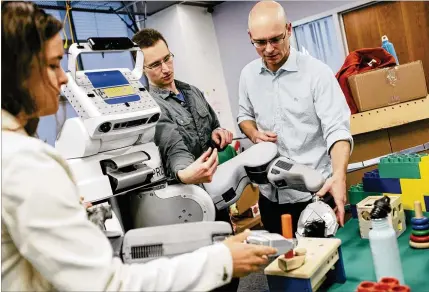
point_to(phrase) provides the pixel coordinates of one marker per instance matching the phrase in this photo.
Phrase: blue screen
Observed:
(107, 78)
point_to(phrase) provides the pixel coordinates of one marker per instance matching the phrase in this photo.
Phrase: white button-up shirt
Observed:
(304, 105)
(48, 244)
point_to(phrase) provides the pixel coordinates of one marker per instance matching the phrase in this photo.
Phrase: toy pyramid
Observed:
(419, 237)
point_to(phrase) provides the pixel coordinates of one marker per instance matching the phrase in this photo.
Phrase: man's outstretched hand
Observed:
(336, 185)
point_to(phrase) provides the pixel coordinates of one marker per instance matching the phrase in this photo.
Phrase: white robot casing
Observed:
(110, 149)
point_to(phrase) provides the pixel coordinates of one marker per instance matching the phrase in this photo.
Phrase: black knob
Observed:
(105, 127)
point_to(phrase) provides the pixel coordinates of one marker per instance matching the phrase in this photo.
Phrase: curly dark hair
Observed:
(147, 37)
(24, 30)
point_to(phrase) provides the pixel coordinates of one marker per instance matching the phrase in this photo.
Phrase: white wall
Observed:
(191, 36)
(50, 126)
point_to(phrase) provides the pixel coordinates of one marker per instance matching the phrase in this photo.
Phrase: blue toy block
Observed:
(373, 183)
(279, 283)
(353, 208)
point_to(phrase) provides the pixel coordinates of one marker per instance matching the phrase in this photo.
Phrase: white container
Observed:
(385, 251)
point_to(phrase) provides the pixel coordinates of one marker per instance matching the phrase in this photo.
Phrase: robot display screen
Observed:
(112, 86)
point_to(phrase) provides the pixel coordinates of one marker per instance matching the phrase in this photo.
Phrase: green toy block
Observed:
(400, 166)
(357, 194)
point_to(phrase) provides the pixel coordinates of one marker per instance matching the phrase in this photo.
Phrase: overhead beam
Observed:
(89, 10)
(125, 6)
(197, 4)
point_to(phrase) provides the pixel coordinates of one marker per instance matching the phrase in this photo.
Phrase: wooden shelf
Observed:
(390, 116)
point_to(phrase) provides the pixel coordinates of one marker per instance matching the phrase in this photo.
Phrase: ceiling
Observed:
(121, 7)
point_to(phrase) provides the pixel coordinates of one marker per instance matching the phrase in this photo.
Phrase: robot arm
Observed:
(232, 177)
(261, 164)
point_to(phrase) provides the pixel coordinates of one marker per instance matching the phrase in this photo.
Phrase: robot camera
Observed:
(112, 43)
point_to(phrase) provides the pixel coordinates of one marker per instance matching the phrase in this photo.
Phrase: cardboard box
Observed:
(370, 145)
(249, 198)
(383, 87)
(409, 135)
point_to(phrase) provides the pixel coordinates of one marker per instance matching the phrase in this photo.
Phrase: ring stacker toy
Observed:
(419, 237)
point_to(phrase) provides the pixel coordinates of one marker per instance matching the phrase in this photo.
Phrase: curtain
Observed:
(318, 39)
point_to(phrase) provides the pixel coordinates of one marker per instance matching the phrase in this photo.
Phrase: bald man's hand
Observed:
(264, 136)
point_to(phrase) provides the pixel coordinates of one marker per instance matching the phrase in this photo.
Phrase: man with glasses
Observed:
(293, 100)
(188, 132)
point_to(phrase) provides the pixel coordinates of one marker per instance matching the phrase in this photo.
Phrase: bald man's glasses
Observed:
(259, 44)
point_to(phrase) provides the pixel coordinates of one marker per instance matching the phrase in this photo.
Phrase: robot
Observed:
(111, 153)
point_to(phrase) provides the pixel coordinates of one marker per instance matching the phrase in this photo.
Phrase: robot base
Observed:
(322, 255)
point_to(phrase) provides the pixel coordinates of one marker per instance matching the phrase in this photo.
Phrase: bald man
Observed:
(295, 101)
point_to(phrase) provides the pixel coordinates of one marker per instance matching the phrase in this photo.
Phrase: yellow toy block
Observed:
(424, 168)
(413, 190)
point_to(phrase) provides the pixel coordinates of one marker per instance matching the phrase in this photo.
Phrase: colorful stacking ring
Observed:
(419, 238)
(389, 281)
(421, 227)
(420, 232)
(366, 286)
(401, 289)
(419, 244)
(420, 221)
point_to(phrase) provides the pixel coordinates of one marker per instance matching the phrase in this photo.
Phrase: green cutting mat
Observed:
(358, 260)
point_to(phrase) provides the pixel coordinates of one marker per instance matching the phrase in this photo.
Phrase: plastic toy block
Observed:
(414, 190)
(424, 168)
(373, 183)
(357, 194)
(353, 209)
(400, 166)
(396, 217)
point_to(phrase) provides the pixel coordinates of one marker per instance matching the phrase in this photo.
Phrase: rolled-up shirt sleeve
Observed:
(41, 210)
(245, 107)
(331, 108)
(174, 152)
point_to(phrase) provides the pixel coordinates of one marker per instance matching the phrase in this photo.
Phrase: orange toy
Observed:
(386, 284)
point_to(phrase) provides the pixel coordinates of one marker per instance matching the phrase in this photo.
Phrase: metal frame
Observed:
(107, 11)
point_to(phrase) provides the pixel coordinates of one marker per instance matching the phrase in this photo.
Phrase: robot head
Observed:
(317, 220)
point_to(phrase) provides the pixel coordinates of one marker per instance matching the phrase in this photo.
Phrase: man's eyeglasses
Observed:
(259, 44)
(157, 65)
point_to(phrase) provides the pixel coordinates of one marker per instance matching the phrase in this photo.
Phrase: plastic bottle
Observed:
(383, 243)
(388, 46)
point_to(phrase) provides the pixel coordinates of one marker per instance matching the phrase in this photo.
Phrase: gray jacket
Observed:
(184, 130)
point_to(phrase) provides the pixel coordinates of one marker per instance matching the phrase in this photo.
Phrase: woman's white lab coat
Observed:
(48, 243)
